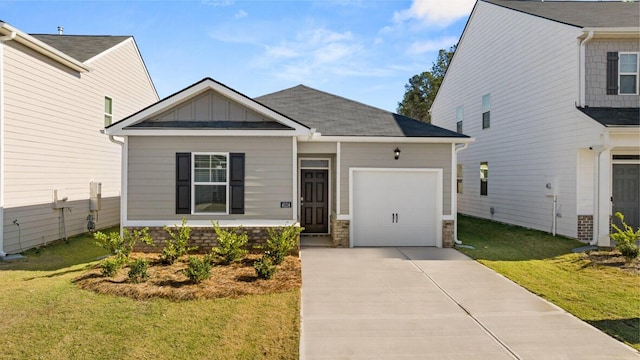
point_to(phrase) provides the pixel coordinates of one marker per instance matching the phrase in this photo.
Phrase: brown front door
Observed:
(314, 202)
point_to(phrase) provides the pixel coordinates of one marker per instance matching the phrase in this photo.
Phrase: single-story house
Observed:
(365, 176)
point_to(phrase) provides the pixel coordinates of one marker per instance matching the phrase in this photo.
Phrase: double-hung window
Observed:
(628, 71)
(210, 183)
(459, 118)
(108, 111)
(484, 178)
(486, 111)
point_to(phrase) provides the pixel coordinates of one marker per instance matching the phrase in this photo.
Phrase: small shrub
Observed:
(111, 265)
(199, 269)
(281, 241)
(122, 245)
(230, 244)
(177, 246)
(626, 239)
(138, 270)
(265, 269)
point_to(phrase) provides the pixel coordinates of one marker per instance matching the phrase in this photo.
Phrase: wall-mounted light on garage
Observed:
(396, 153)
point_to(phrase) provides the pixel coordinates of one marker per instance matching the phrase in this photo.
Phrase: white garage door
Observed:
(396, 207)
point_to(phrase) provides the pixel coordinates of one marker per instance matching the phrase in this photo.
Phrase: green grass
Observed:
(606, 297)
(45, 316)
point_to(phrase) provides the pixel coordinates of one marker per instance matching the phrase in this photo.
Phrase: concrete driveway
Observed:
(427, 303)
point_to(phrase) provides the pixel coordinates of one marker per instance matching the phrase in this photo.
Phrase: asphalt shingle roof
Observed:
(579, 13)
(332, 115)
(613, 116)
(81, 47)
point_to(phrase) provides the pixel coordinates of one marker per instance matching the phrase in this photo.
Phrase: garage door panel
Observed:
(395, 207)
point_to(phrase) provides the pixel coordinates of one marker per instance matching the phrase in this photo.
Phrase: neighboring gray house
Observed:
(366, 176)
(550, 92)
(56, 94)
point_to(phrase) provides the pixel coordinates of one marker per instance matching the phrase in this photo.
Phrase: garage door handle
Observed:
(394, 217)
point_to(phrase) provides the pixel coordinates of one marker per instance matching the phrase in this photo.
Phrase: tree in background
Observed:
(422, 88)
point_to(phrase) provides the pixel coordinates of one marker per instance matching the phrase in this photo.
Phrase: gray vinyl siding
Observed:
(380, 155)
(596, 73)
(53, 118)
(151, 175)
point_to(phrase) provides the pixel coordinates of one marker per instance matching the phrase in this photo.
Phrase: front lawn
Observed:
(607, 297)
(46, 316)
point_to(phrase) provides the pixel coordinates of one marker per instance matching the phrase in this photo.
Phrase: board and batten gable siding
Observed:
(596, 73)
(53, 118)
(381, 155)
(529, 65)
(152, 179)
(210, 106)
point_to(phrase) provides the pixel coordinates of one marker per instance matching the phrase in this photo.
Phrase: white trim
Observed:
(438, 202)
(193, 91)
(388, 139)
(124, 184)
(343, 217)
(338, 180)
(193, 183)
(328, 168)
(295, 207)
(105, 52)
(200, 132)
(207, 223)
(2, 126)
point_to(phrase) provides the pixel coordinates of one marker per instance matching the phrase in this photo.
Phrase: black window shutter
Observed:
(236, 182)
(183, 183)
(612, 73)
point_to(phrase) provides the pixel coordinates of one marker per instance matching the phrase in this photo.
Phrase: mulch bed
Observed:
(168, 281)
(613, 258)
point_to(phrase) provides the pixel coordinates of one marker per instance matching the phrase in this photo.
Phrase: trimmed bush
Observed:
(111, 265)
(281, 241)
(626, 239)
(122, 245)
(265, 269)
(138, 270)
(230, 244)
(199, 268)
(177, 246)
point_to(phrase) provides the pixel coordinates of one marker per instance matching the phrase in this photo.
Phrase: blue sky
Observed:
(365, 50)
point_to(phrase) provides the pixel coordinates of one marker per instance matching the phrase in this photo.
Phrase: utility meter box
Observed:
(95, 196)
(59, 199)
(551, 185)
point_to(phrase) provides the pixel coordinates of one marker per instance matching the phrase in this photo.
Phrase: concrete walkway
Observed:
(426, 303)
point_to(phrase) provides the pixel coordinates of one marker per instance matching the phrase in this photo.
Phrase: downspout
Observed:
(454, 205)
(596, 201)
(2, 41)
(583, 69)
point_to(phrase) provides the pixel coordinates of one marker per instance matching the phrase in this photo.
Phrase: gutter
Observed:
(454, 205)
(583, 69)
(3, 39)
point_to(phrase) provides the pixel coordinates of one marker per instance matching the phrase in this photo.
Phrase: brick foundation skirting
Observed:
(585, 227)
(204, 238)
(447, 233)
(339, 232)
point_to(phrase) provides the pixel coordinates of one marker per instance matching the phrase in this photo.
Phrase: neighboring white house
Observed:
(56, 94)
(549, 90)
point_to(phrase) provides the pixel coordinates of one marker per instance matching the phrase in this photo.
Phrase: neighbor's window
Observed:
(459, 178)
(628, 73)
(108, 111)
(210, 185)
(459, 118)
(486, 111)
(484, 178)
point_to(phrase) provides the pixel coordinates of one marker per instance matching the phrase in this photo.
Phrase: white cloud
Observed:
(218, 3)
(240, 14)
(435, 12)
(421, 47)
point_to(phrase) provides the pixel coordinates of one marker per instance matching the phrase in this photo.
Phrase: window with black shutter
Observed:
(236, 183)
(612, 73)
(183, 183)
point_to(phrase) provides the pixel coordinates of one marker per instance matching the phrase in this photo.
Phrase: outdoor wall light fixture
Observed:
(396, 153)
